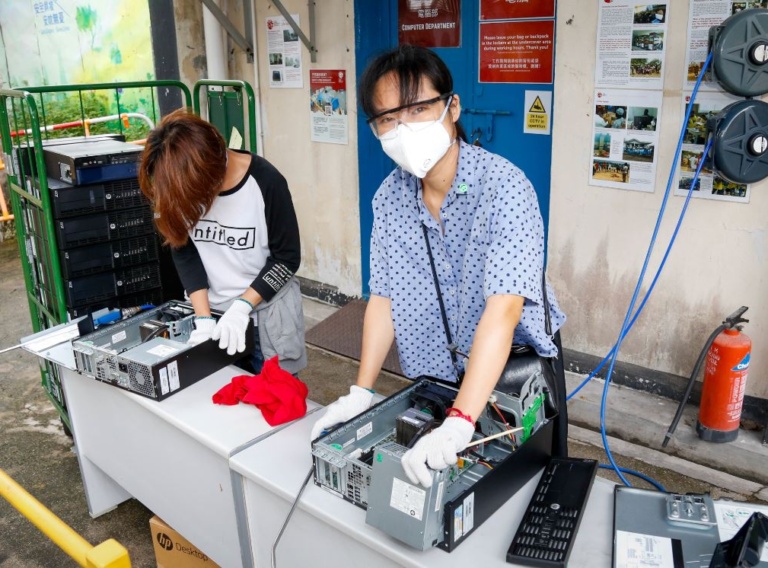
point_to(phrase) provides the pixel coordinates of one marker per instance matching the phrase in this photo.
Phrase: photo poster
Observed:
(708, 185)
(284, 52)
(631, 44)
(521, 51)
(702, 15)
(625, 139)
(429, 23)
(328, 106)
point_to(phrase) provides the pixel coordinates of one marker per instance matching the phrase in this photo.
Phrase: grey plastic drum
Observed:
(740, 147)
(740, 53)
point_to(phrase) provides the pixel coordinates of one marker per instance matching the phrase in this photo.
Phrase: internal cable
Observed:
(504, 420)
(288, 518)
(625, 325)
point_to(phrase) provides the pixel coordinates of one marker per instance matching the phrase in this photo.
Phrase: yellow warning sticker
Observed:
(538, 107)
(535, 121)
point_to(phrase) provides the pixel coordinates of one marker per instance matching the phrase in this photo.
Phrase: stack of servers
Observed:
(108, 249)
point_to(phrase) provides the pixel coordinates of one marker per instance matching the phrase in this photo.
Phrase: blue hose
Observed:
(642, 476)
(628, 319)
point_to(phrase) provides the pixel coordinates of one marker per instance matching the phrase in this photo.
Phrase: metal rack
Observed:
(31, 116)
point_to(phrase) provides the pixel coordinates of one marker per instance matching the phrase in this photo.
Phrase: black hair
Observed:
(409, 63)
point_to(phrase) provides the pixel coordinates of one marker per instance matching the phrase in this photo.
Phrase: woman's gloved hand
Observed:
(438, 449)
(346, 408)
(204, 326)
(230, 331)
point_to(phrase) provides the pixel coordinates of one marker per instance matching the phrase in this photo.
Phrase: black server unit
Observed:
(109, 252)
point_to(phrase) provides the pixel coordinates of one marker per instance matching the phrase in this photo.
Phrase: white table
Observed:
(326, 530)
(173, 455)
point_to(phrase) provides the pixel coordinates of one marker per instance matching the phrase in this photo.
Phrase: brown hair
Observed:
(182, 169)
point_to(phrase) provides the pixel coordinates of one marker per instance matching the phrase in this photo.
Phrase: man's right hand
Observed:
(344, 409)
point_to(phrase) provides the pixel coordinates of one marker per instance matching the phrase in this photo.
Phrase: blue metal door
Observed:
(492, 113)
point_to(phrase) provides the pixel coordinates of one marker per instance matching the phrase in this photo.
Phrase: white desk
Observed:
(326, 530)
(173, 456)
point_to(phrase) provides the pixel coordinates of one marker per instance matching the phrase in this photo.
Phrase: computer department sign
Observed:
(429, 23)
(517, 52)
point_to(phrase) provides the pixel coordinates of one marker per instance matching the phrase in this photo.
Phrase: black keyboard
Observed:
(546, 533)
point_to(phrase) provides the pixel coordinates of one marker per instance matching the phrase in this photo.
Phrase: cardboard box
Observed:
(173, 550)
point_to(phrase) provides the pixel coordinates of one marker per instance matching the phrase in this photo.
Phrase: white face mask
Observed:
(418, 146)
(660, 17)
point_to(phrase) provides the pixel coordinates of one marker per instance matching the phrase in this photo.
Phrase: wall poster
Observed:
(517, 51)
(505, 10)
(429, 23)
(631, 44)
(284, 52)
(625, 138)
(328, 105)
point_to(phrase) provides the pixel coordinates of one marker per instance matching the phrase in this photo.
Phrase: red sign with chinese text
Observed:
(512, 9)
(335, 79)
(517, 52)
(429, 23)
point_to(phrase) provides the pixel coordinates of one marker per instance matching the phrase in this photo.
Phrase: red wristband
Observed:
(456, 413)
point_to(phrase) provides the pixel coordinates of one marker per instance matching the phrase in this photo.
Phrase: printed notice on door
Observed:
(625, 139)
(284, 52)
(506, 10)
(631, 44)
(538, 109)
(517, 52)
(328, 105)
(429, 23)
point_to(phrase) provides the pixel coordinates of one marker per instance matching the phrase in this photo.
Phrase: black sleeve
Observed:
(190, 267)
(282, 230)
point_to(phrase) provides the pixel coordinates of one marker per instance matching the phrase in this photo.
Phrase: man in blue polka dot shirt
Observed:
(479, 217)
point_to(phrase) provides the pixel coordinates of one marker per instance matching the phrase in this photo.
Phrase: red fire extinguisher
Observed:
(725, 378)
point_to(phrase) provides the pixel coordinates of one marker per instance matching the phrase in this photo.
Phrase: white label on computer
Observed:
(162, 350)
(173, 374)
(118, 337)
(643, 551)
(164, 380)
(363, 431)
(407, 498)
(469, 513)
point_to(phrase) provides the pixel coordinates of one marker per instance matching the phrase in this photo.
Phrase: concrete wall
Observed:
(599, 236)
(190, 41)
(322, 177)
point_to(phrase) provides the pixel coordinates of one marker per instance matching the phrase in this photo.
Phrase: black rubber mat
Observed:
(342, 333)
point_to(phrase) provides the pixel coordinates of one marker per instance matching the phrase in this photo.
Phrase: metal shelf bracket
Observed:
(309, 42)
(244, 42)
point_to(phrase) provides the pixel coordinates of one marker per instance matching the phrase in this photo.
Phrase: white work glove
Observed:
(437, 449)
(203, 330)
(230, 331)
(346, 408)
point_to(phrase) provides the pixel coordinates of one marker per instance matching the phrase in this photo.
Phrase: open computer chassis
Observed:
(361, 461)
(148, 353)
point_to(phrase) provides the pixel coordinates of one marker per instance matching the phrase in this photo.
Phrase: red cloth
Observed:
(280, 396)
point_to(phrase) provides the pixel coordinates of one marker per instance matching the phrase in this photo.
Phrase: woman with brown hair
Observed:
(230, 221)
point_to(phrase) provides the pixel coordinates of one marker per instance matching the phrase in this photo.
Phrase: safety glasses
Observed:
(413, 116)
